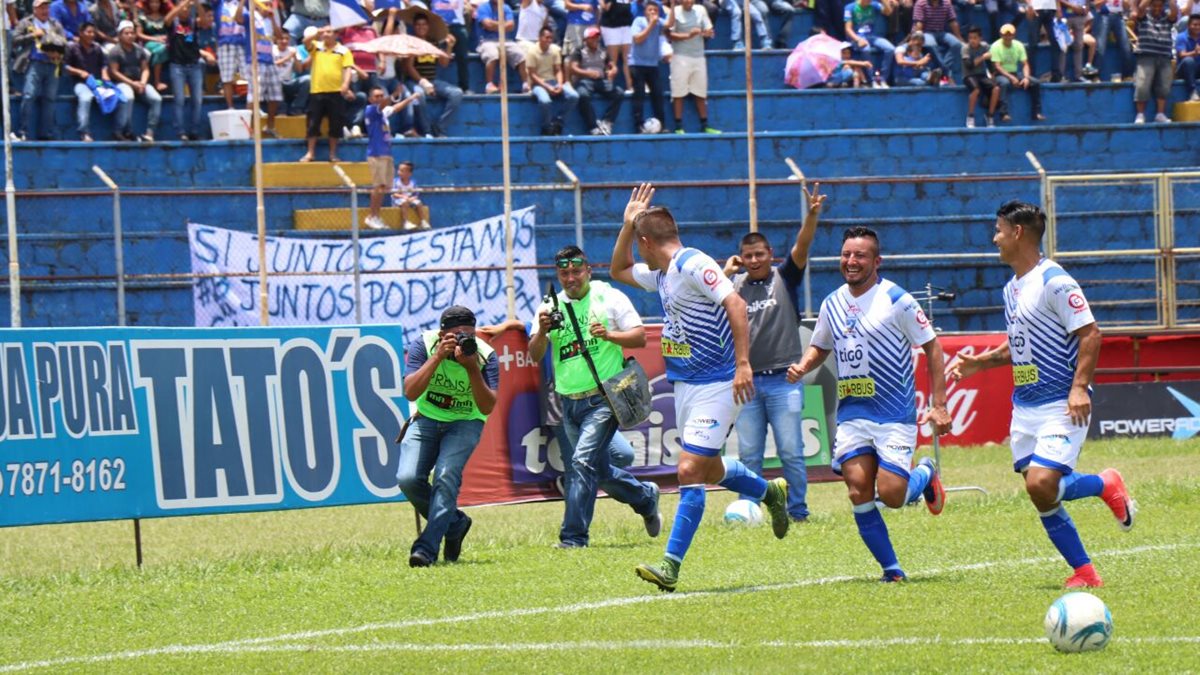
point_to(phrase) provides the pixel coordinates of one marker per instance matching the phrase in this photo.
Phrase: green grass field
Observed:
(330, 589)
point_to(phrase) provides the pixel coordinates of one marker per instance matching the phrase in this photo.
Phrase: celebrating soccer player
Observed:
(1053, 345)
(872, 324)
(706, 346)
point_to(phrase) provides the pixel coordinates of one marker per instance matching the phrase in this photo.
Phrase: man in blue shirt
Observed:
(379, 149)
(706, 346)
(644, 57)
(1053, 346)
(487, 16)
(71, 14)
(1187, 54)
(872, 325)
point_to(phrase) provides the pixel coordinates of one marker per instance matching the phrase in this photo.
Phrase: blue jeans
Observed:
(1187, 70)
(781, 8)
(37, 98)
(948, 50)
(442, 448)
(295, 94)
(192, 75)
(600, 88)
(880, 52)
(734, 7)
(570, 99)
(83, 107)
(149, 96)
(778, 404)
(589, 426)
(296, 23)
(442, 90)
(1101, 25)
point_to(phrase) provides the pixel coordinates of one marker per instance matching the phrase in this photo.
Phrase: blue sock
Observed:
(918, 480)
(1079, 485)
(742, 480)
(874, 534)
(1061, 530)
(687, 519)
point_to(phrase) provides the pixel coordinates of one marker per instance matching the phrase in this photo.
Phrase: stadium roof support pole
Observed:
(798, 175)
(1047, 201)
(260, 212)
(750, 156)
(509, 272)
(10, 194)
(577, 188)
(354, 229)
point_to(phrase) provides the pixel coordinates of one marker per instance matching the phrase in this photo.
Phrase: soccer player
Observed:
(706, 346)
(1053, 345)
(872, 325)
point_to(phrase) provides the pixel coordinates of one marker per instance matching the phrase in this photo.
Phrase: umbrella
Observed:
(812, 61)
(437, 25)
(399, 45)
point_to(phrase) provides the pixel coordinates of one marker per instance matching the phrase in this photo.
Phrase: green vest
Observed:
(448, 397)
(571, 373)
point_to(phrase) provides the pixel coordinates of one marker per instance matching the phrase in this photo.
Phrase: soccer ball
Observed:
(744, 512)
(1079, 622)
(651, 126)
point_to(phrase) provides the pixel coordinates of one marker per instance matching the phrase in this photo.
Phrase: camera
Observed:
(556, 315)
(466, 343)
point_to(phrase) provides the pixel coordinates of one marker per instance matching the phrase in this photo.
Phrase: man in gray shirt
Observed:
(772, 304)
(689, 70)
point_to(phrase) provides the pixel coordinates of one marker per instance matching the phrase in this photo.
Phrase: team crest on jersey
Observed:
(1077, 303)
(711, 277)
(851, 325)
(922, 320)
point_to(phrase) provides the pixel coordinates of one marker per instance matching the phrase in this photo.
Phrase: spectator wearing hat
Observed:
(547, 82)
(1154, 74)
(422, 71)
(41, 43)
(488, 17)
(644, 58)
(937, 20)
(452, 377)
(1012, 70)
(129, 67)
(332, 65)
(595, 74)
(85, 59)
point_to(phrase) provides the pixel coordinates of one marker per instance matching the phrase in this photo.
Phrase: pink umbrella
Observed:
(813, 61)
(399, 45)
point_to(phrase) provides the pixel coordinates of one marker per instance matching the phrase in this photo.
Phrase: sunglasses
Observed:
(564, 263)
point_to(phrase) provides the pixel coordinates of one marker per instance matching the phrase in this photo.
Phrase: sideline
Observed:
(266, 644)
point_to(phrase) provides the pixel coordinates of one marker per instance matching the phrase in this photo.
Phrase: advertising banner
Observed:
(1146, 409)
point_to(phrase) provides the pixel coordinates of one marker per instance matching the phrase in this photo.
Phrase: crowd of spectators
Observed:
(567, 54)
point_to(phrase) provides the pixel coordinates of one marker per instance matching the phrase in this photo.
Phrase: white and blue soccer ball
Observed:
(1079, 622)
(652, 126)
(744, 512)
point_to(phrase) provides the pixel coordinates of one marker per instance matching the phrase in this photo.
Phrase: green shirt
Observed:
(1009, 58)
(448, 397)
(571, 372)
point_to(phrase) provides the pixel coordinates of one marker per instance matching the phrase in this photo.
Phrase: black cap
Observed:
(457, 316)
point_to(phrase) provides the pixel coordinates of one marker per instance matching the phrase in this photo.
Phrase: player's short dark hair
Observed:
(656, 224)
(570, 251)
(753, 238)
(860, 232)
(1026, 215)
(973, 30)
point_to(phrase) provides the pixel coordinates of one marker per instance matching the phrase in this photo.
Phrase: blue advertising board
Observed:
(108, 423)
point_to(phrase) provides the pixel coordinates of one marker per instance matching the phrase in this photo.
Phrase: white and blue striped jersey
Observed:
(1043, 309)
(872, 337)
(697, 343)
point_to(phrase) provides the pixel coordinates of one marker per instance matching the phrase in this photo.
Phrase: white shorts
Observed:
(704, 414)
(689, 75)
(1044, 435)
(892, 444)
(615, 37)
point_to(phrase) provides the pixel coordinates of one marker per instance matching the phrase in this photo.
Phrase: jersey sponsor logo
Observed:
(711, 277)
(858, 387)
(759, 305)
(922, 320)
(851, 356)
(676, 350)
(1077, 303)
(851, 325)
(446, 402)
(703, 422)
(1027, 374)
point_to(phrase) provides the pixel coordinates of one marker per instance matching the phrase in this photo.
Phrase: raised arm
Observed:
(808, 230)
(621, 268)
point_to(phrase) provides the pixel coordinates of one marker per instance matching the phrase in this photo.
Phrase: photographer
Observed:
(452, 378)
(606, 321)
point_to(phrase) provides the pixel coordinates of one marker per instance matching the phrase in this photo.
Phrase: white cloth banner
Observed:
(469, 258)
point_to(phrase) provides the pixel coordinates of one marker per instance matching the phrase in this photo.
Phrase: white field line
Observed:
(264, 644)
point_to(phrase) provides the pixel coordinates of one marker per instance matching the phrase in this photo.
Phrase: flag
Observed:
(386, 4)
(346, 13)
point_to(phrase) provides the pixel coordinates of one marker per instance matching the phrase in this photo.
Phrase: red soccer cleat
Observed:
(1117, 497)
(935, 494)
(1085, 577)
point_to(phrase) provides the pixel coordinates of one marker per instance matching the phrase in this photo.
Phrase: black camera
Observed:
(466, 343)
(556, 315)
